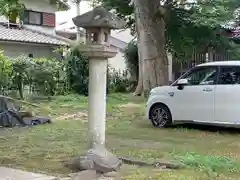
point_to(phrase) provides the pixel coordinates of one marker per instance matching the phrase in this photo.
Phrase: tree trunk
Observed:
(152, 44)
(139, 29)
(20, 87)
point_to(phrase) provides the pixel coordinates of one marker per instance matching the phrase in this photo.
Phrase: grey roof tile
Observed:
(28, 35)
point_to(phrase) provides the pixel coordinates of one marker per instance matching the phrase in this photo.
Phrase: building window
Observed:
(35, 18)
(32, 17)
(39, 18)
(48, 19)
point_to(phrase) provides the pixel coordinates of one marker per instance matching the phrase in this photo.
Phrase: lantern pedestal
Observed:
(98, 24)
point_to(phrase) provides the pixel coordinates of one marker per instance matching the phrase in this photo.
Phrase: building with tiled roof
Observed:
(26, 35)
(33, 33)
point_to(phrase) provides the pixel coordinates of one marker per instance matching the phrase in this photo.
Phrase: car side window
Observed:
(202, 76)
(229, 75)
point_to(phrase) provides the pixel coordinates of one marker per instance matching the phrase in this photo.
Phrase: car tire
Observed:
(160, 116)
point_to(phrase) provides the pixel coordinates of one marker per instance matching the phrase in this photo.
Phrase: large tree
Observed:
(174, 25)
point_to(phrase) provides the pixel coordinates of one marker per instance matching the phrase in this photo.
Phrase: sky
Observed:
(66, 16)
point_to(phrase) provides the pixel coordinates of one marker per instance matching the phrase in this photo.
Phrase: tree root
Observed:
(137, 94)
(166, 165)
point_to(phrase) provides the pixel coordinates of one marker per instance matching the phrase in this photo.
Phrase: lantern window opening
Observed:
(94, 37)
(105, 37)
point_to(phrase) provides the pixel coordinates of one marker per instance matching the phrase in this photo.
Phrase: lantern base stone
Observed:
(98, 159)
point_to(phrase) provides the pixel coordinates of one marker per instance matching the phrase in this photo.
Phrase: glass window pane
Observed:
(25, 17)
(202, 76)
(35, 18)
(229, 75)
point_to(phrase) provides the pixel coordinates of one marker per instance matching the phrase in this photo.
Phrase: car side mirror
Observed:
(181, 83)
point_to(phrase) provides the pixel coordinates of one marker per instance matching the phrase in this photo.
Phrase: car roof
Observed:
(221, 63)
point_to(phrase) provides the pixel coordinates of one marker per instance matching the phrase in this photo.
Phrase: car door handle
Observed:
(207, 89)
(171, 94)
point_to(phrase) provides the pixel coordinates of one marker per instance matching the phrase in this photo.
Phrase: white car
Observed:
(208, 94)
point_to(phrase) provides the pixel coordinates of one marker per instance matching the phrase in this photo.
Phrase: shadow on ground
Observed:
(208, 128)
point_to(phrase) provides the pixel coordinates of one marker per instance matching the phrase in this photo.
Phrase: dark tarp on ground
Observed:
(10, 116)
(10, 119)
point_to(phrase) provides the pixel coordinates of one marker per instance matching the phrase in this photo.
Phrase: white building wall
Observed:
(16, 49)
(118, 62)
(39, 5)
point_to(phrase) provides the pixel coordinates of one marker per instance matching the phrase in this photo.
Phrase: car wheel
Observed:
(160, 116)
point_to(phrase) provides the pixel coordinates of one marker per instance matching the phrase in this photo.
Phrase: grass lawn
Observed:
(206, 155)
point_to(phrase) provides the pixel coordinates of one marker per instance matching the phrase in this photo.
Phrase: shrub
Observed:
(45, 76)
(117, 81)
(20, 73)
(77, 72)
(5, 73)
(131, 59)
(78, 75)
(51, 77)
(48, 76)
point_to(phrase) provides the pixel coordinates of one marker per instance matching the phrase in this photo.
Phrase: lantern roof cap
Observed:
(99, 17)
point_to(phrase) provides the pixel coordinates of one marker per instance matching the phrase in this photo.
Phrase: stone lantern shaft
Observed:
(98, 24)
(97, 102)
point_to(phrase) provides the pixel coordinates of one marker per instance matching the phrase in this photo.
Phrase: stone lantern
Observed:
(98, 24)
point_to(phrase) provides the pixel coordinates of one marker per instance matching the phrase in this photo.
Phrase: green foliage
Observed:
(78, 75)
(41, 75)
(234, 51)
(186, 37)
(11, 9)
(214, 12)
(77, 72)
(5, 72)
(122, 9)
(20, 73)
(117, 81)
(51, 77)
(190, 25)
(48, 77)
(210, 164)
(131, 58)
